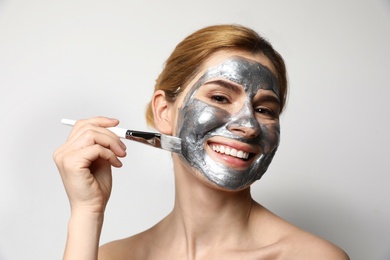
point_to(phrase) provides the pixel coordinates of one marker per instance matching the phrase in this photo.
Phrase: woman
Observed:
(221, 91)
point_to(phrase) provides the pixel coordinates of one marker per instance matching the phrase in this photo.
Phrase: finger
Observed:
(82, 126)
(92, 153)
(91, 137)
(81, 160)
(99, 121)
(95, 122)
(90, 130)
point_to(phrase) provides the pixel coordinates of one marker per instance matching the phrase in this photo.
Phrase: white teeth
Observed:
(230, 151)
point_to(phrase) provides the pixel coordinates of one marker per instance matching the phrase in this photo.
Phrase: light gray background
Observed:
(79, 59)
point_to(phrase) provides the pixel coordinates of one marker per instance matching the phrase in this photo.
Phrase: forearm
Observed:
(84, 231)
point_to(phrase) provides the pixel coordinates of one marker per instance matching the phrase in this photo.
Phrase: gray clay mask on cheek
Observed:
(199, 121)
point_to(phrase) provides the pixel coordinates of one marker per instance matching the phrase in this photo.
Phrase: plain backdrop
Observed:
(82, 58)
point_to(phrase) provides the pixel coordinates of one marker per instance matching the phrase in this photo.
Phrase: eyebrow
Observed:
(226, 84)
(268, 97)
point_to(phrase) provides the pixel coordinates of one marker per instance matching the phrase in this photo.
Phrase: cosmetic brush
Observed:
(166, 142)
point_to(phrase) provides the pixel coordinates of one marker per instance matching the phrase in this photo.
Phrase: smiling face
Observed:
(229, 121)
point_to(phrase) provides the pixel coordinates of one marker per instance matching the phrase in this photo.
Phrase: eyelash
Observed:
(266, 111)
(223, 99)
(220, 99)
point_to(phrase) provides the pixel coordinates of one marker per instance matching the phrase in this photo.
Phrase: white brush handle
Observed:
(120, 132)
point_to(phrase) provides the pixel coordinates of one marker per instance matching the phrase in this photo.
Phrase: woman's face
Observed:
(228, 119)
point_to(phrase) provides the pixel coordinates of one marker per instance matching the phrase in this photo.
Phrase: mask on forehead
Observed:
(199, 121)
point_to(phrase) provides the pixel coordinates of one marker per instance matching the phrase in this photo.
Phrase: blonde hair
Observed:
(189, 55)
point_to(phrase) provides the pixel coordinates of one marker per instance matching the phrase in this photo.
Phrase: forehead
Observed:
(248, 73)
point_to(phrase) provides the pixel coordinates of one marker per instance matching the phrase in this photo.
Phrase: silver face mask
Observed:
(198, 121)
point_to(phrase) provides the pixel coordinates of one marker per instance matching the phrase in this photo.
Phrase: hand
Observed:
(85, 161)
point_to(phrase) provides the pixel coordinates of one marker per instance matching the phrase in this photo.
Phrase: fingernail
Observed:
(122, 145)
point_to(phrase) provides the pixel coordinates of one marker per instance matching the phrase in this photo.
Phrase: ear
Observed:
(163, 113)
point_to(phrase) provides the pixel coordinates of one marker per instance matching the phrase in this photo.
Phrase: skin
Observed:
(208, 221)
(239, 93)
(84, 163)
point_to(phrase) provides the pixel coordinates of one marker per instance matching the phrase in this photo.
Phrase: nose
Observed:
(245, 124)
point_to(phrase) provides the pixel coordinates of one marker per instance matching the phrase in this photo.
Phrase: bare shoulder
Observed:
(303, 245)
(127, 248)
(292, 242)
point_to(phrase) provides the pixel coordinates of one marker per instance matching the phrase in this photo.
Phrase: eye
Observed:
(265, 111)
(220, 99)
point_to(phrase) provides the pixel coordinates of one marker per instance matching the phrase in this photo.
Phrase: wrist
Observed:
(84, 231)
(80, 215)
(87, 210)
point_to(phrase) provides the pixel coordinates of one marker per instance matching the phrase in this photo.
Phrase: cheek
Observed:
(270, 136)
(199, 118)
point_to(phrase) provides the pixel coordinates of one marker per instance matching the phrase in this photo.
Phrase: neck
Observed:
(205, 215)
